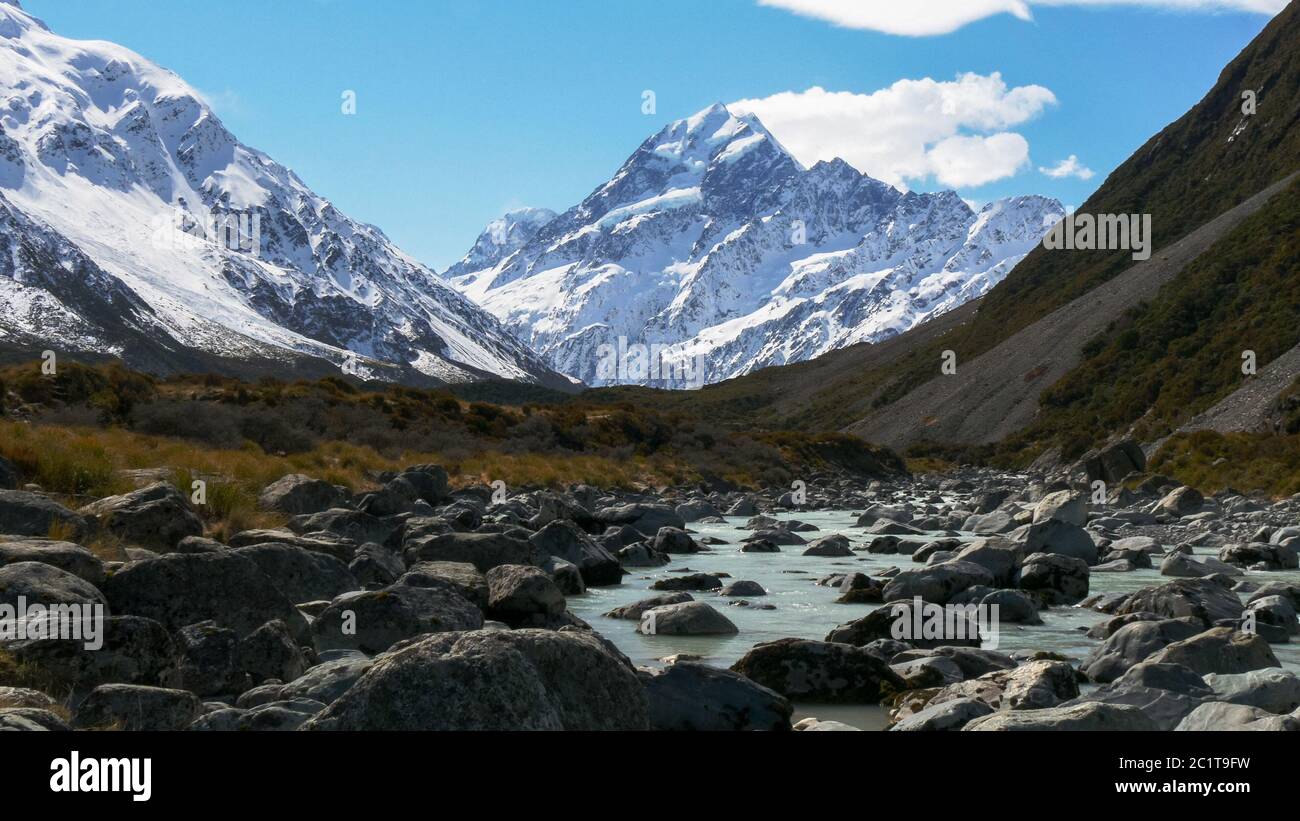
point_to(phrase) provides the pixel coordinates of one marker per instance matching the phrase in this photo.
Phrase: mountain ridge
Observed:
(714, 246)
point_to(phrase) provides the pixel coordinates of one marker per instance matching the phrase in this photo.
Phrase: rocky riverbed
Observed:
(419, 606)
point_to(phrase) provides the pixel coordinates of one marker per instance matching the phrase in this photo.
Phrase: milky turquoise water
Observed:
(806, 610)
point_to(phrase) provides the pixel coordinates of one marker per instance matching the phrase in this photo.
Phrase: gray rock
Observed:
(565, 540)
(1203, 599)
(301, 575)
(374, 620)
(641, 555)
(1181, 501)
(297, 494)
(225, 587)
(1056, 578)
(30, 514)
(949, 715)
(1063, 506)
(133, 707)
(694, 618)
(1270, 689)
(1083, 716)
(1060, 538)
(1219, 650)
(133, 650)
(40, 583)
(1231, 717)
(375, 566)
(31, 719)
(688, 581)
(744, 587)
(464, 577)
(494, 680)
(483, 550)
(936, 584)
(155, 517)
(67, 556)
(815, 671)
(835, 545)
(520, 595)
(692, 696)
(633, 611)
(647, 519)
(1133, 643)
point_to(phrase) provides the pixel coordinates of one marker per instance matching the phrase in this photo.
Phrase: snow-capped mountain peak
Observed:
(714, 250)
(225, 250)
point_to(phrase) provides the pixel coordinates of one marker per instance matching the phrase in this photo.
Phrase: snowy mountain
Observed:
(712, 252)
(133, 223)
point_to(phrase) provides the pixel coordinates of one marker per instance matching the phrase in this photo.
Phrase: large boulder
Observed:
(1082, 716)
(1271, 689)
(185, 588)
(1219, 650)
(901, 621)
(40, 583)
(30, 514)
(1114, 462)
(156, 517)
(135, 707)
(693, 618)
(945, 716)
(634, 610)
(692, 696)
(1205, 600)
(494, 680)
(297, 494)
(1218, 717)
(834, 545)
(1057, 579)
(483, 550)
(354, 526)
(1002, 558)
(1063, 506)
(464, 577)
(131, 650)
(523, 596)
(1133, 643)
(938, 583)
(1181, 501)
(564, 539)
(818, 671)
(1060, 538)
(644, 518)
(374, 620)
(301, 575)
(73, 558)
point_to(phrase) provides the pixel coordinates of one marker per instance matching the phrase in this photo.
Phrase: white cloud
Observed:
(956, 130)
(963, 161)
(1068, 167)
(926, 17)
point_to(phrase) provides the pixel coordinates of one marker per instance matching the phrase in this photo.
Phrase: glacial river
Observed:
(806, 610)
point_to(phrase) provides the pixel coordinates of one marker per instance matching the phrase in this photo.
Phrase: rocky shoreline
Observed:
(416, 606)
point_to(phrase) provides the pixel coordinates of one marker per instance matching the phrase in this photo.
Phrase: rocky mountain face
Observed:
(713, 252)
(137, 225)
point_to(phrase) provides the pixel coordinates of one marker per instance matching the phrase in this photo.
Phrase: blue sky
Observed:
(467, 109)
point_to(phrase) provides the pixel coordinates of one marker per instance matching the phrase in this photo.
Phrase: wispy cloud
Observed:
(957, 131)
(929, 17)
(1068, 167)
